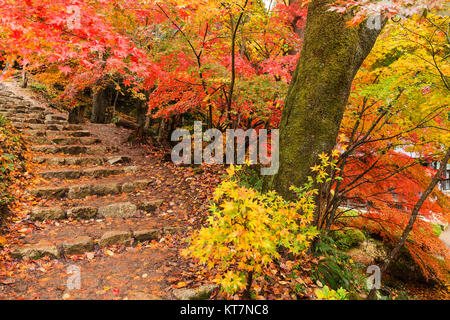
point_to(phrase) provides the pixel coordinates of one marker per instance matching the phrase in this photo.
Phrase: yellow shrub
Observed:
(246, 229)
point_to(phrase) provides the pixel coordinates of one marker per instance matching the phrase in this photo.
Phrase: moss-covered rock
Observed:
(348, 238)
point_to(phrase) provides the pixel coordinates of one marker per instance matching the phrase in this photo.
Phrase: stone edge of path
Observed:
(83, 244)
(113, 210)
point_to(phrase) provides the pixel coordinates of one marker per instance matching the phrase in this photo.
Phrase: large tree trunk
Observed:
(101, 100)
(320, 87)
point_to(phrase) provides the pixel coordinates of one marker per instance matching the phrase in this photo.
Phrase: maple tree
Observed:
(71, 41)
(332, 54)
(395, 123)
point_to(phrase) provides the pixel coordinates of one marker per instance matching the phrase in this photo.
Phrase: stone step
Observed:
(82, 243)
(11, 112)
(10, 94)
(55, 122)
(55, 133)
(82, 161)
(25, 115)
(22, 115)
(92, 189)
(26, 121)
(10, 103)
(115, 210)
(46, 127)
(73, 149)
(55, 117)
(96, 172)
(23, 109)
(64, 140)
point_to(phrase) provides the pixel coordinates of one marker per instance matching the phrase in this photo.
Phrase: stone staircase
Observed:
(82, 179)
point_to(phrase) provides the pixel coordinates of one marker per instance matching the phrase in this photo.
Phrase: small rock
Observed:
(200, 293)
(150, 206)
(131, 169)
(117, 160)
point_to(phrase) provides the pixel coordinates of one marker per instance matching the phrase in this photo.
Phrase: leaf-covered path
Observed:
(101, 206)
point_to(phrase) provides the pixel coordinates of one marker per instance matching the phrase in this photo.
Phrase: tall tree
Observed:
(320, 87)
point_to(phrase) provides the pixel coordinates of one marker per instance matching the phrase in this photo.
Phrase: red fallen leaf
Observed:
(116, 291)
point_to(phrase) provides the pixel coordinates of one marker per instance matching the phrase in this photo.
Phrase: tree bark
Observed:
(295, 28)
(319, 91)
(394, 253)
(101, 100)
(24, 79)
(76, 115)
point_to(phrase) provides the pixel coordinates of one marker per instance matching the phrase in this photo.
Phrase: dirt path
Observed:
(102, 208)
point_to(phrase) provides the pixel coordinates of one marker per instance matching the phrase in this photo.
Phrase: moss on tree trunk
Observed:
(332, 54)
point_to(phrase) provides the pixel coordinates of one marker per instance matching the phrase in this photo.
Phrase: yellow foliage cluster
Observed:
(246, 230)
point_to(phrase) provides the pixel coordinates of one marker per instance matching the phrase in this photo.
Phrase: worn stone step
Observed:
(23, 109)
(55, 117)
(56, 133)
(27, 115)
(58, 127)
(114, 210)
(82, 161)
(55, 122)
(19, 124)
(64, 140)
(14, 104)
(82, 243)
(73, 149)
(16, 119)
(11, 112)
(97, 172)
(93, 189)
